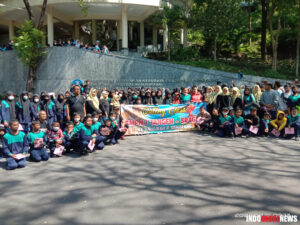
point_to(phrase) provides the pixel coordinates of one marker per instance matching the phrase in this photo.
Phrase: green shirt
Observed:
(96, 126)
(78, 127)
(239, 120)
(224, 119)
(32, 136)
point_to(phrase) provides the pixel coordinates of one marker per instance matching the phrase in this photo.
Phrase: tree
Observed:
(29, 48)
(263, 43)
(276, 5)
(298, 42)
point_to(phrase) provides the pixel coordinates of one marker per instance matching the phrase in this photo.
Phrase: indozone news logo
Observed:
(281, 218)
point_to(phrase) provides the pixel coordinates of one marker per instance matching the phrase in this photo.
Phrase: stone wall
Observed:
(61, 66)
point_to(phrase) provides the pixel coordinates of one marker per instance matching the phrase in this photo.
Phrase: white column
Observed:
(94, 31)
(154, 36)
(50, 27)
(76, 30)
(166, 39)
(181, 36)
(142, 34)
(185, 37)
(11, 29)
(119, 34)
(124, 28)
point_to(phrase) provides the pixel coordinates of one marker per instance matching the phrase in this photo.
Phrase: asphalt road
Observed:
(171, 179)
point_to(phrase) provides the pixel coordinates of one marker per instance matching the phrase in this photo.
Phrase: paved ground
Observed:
(172, 179)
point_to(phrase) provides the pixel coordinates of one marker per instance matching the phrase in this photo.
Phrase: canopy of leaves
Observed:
(29, 44)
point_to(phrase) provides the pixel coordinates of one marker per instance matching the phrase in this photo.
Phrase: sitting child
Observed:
(279, 123)
(294, 122)
(86, 135)
(2, 133)
(203, 118)
(238, 122)
(37, 140)
(264, 127)
(69, 136)
(225, 128)
(55, 138)
(96, 129)
(214, 122)
(109, 132)
(252, 123)
(15, 146)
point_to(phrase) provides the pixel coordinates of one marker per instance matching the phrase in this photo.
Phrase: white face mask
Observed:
(55, 128)
(25, 97)
(112, 118)
(225, 113)
(11, 98)
(76, 119)
(95, 119)
(36, 100)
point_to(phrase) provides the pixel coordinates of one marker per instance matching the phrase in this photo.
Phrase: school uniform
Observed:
(295, 123)
(226, 130)
(185, 98)
(1, 146)
(37, 153)
(110, 136)
(215, 123)
(49, 107)
(255, 122)
(104, 106)
(35, 108)
(85, 136)
(99, 138)
(237, 121)
(8, 110)
(23, 113)
(223, 101)
(264, 124)
(279, 124)
(52, 138)
(15, 144)
(59, 112)
(69, 140)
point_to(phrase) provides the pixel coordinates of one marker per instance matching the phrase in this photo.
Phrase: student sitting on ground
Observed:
(77, 124)
(86, 135)
(15, 146)
(37, 140)
(69, 137)
(238, 122)
(2, 133)
(55, 138)
(96, 129)
(279, 123)
(294, 122)
(214, 122)
(225, 128)
(109, 132)
(252, 122)
(264, 127)
(203, 118)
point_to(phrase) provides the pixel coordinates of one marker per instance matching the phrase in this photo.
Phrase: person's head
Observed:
(246, 91)
(116, 110)
(225, 91)
(159, 93)
(14, 125)
(95, 117)
(25, 95)
(202, 109)
(280, 115)
(238, 112)
(295, 90)
(2, 130)
(10, 96)
(267, 116)
(67, 94)
(215, 112)
(185, 91)
(36, 98)
(195, 89)
(88, 121)
(148, 93)
(153, 93)
(46, 97)
(253, 111)
(225, 111)
(256, 88)
(108, 122)
(55, 126)
(42, 115)
(235, 91)
(277, 84)
(76, 90)
(70, 126)
(94, 92)
(76, 117)
(60, 97)
(268, 86)
(87, 83)
(36, 125)
(287, 88)
(294, 111)
(139, 101)
(112, 116)
(219, 83)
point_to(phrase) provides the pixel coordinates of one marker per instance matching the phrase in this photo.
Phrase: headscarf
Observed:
(115, 102)
(60, 103)
(235, 96)
(103, 94)
(210, 96)
(12, 106)
(257, 94)
(35, 104)
(216, 94)
(25, 104)
(227, 92)
(93, 99)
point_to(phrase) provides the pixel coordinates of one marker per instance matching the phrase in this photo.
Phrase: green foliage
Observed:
(84, 7)
(29, 44)
(190, 53)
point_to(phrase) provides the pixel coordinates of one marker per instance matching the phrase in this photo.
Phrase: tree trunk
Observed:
(215, 49)
(42, 16)
(273, 37)
(30, 80)
(263, 49)
(169, 46)
(250, 23)
(29, 11)
(298, 43)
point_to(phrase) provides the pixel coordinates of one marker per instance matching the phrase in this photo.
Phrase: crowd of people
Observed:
(85, 119)
(7, 47)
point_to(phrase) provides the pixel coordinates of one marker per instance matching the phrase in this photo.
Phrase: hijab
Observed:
(25, 104)
(216, 94)
(257, 94)
(12, 106)
(93, 99)
(210, 96)
(235, 96)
